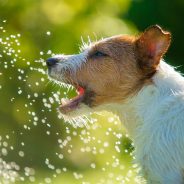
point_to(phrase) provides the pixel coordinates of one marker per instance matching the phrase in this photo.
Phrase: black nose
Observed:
(51, 61)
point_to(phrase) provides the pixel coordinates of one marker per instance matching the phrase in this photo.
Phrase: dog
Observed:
(128, 76)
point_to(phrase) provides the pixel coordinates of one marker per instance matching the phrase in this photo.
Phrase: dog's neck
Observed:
(141, 109)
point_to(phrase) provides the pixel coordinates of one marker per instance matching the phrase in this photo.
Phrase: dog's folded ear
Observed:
(151, 45)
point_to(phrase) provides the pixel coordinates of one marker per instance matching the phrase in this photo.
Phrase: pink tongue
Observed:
(73, 104)
(80, 90)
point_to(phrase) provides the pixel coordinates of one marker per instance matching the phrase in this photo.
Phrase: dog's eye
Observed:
(99, 54)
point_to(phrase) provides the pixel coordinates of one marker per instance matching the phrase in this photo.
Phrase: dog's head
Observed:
(110, 70)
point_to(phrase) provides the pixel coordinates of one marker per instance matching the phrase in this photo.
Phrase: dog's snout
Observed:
(51, 61)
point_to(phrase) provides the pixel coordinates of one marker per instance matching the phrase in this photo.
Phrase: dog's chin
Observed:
(81, 110)
(78, 117)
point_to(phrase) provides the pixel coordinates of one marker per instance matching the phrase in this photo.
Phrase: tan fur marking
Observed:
(152, 44)
(129, 65)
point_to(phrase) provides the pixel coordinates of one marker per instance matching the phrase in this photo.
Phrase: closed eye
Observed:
(98, 54)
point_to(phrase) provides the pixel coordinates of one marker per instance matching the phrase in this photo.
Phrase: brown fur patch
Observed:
(152, 44)
(127, 65)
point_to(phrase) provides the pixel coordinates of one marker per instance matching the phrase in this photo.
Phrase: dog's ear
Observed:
(151, 45)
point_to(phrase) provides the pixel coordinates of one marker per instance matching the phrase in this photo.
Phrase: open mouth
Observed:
(68, 105)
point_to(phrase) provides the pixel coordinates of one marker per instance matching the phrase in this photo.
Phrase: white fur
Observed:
(68, 62)
(155, 120)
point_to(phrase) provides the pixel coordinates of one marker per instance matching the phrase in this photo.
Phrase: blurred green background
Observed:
(31, 134)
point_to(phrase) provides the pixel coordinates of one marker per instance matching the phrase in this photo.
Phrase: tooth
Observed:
(64, 101)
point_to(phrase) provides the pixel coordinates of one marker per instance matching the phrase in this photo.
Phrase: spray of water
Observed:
(94, 152)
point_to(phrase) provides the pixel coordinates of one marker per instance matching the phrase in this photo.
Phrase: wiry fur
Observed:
(70, 62)
(146, 93)
(155, 121)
